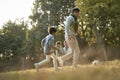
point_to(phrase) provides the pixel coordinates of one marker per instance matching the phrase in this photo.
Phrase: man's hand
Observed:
(70, 37)
(78, 31)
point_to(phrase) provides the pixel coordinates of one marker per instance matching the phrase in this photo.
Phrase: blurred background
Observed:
(24, 24)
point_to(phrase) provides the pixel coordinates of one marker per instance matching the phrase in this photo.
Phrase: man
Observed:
(71, 29)
(48, 45)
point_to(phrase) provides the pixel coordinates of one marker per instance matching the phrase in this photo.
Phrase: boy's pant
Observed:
(73, 44)
(48, 58)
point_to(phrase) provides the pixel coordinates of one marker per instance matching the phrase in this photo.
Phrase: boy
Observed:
(48, 47)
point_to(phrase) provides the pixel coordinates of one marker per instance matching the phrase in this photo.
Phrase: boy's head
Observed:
(52, 30)
(76, 12)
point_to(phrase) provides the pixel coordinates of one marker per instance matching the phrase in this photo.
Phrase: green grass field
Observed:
(103, 71)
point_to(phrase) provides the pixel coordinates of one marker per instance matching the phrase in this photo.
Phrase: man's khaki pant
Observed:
(73, 44)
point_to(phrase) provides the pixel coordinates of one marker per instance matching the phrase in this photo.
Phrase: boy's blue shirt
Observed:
(49, 45)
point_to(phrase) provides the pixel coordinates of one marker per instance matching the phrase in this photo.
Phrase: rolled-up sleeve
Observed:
(67, 25)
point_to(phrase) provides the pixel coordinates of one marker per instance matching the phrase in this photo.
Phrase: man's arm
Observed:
(67, 25)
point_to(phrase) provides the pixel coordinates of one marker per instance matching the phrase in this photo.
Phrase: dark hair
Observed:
(52, 30)
(75, 10)
(58, 42)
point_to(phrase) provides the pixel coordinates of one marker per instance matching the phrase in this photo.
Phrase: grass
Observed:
(103, 71)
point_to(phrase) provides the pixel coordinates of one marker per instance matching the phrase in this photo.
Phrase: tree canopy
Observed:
(103, 17)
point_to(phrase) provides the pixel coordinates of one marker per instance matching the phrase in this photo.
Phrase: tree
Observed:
(100, 20)
(51, 12)
(12, 43)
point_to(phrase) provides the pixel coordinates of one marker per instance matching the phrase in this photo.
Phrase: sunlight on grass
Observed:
(103, 71)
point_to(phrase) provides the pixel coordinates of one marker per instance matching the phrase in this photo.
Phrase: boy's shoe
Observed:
(60, 61)
(36, 67)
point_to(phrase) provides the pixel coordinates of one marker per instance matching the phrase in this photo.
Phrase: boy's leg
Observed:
(45, 61)
(37, 65)
(54, 61)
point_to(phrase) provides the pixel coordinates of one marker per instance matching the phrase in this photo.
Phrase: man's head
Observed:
(76, 12)
(52, 31)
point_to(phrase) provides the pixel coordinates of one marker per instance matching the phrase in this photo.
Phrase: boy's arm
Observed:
(51, 44)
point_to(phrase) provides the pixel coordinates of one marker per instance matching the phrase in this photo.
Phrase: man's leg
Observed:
(77, 54)
(63, 58)
(37, 65)
(73, 44)
(67, 56)
(54, 61)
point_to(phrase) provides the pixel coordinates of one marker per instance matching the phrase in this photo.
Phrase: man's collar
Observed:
(74, 17)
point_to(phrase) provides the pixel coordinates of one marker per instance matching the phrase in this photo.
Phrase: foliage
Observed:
(50, 12)
(12, 42)
(100, 20)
